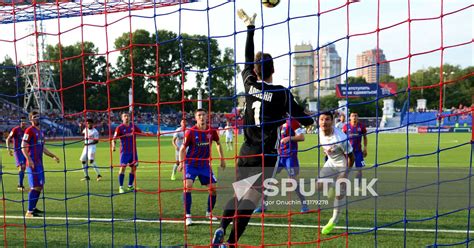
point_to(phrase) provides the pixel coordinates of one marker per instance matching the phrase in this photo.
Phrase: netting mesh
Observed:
(159, 60)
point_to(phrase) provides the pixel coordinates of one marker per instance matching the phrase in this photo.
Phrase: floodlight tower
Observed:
(40, 90)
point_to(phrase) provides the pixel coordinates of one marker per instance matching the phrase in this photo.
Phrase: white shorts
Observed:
(229, 139)
(329, 170)
(88, 153)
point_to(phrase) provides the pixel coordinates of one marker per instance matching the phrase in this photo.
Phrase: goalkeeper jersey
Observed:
(266, 106)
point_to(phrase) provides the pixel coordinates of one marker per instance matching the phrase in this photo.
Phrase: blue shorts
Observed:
(128, 159)
(205, 174)
(359, 159)
(19, 158)
(36, 176)
(290, 164)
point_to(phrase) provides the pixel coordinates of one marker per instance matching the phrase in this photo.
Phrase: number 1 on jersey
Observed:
(256, 105)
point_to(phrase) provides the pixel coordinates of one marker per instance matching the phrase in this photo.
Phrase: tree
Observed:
(356, 80)
(222, 88)
(386, 78)
(180, 59)
(328, 103)
(81, 74)
(365, 107)
(299, 100)
(12, 84)
(425, 83)
(136, 65)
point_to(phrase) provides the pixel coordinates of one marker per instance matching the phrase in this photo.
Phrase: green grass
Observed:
(158, 197)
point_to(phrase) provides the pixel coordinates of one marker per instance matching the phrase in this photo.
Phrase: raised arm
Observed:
(248, 74)
(249, 48)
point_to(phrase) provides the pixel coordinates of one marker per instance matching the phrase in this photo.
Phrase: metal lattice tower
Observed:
(40, 90)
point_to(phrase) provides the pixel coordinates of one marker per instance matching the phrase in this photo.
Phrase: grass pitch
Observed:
(81, 214)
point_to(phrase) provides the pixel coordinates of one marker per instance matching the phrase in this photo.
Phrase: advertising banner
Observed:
(365, 90)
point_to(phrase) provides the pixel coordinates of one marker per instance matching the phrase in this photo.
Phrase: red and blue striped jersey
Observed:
(198, 143)
(128, 141)
(355, 134)
(17, 135)
(34, 139)
(287, 130)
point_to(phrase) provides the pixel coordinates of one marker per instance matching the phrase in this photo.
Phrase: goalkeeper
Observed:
(267, 106)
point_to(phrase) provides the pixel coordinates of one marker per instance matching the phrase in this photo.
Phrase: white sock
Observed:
(336, 213)
(97, 171)
(175, 168)
(84, 167)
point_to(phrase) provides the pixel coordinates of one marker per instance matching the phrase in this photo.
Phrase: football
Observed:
(270, 3)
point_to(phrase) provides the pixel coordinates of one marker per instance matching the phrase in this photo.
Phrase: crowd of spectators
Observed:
(54, 123)
(463, 111)
(169, 120)
(367, 121)
(9, 115)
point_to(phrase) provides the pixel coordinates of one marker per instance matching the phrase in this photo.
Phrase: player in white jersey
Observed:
(91, 138)
(177, 141)
(220, 131)
(340, 159)
(229, 136)
(342, 121)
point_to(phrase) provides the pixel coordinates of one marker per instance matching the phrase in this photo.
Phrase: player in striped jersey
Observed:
(128, 150)
(356, 131)
(33, 149)
(290, 133)
(194, 155)
(17, 135)
(177, 141)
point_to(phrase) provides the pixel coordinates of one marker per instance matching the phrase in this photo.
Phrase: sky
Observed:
(291, 22)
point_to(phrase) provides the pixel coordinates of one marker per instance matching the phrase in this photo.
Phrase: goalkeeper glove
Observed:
(249, 21)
